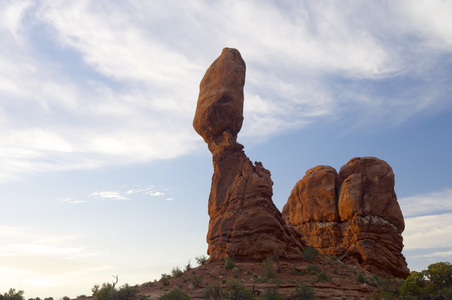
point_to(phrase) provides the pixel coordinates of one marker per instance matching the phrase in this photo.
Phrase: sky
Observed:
(102, 173)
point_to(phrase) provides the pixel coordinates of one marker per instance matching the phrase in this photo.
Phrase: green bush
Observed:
(12, 294)
(177, 272)
(433, 283)
(309, 253)
(229, 263)
(175, 294)
(269, 271)
(109, 292)
(196, 281)
(361, 278)
(126, 292)
(294, 271)
(271, 295)
(213, 292)
(188, 266)
(304, 292)
(165, 279)
(314, 270)
(237, 291)
(323, 277)
(201, 260)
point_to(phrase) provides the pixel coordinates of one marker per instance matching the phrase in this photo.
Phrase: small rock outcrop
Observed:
(244, 222)
(353, 215)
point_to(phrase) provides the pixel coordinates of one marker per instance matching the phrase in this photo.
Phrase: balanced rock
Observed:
(353, 215)
(244, 222)
(220, 102)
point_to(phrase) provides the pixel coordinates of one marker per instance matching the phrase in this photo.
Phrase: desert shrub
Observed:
(188, 266)
(269, 271)
(177, 272)
(237, 291)
(196, 281)
(12, 294)
(201, 260)
(309, 253)
(109, 292)
(323, 277)
(175, 294)
(304, 292)
(361, 278)
(294, 271)
(106, 292)
(313, 270)
(271, 295)
(236, 272)
(213, 292)
(229, 263)
(126, 292)
(165, 279)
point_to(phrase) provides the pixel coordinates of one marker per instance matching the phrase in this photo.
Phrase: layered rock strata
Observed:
(244, 222)
(353, 215)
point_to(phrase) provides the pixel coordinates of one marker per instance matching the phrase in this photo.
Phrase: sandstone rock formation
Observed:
(353, 215)
(244, 222)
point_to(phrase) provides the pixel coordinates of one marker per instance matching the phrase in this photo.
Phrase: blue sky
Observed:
(102, 173)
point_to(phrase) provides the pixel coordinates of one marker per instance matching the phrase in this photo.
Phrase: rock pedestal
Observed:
(244, 222)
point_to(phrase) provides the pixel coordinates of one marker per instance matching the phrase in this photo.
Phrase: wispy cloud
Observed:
(424, 232)
(447, 254)
(51, 250)
(84, 89)
(23, 240)
(71, 201)
(137, 192)
(115, 195)
(438, 202)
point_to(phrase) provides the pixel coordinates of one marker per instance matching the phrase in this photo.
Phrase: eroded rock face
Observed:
(244, 222)
(353, 215)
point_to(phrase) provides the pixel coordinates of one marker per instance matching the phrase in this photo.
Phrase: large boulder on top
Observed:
(220, 101)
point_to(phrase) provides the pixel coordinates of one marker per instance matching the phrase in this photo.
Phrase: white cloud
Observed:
(439, 254)
(71, 201)
(114, 195)
(426, 232)
(437, 202)
(11, 14)
(50, 250)
(130, 194)
(156, 194)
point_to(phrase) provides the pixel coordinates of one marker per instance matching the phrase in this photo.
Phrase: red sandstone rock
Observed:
(244, 222)
(367, 229)
(314, 197)
(366, 188)
(220, 101)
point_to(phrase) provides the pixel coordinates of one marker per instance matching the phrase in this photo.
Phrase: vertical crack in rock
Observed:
(244, 222)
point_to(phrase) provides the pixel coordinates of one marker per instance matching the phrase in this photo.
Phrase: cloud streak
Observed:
(438, 202)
